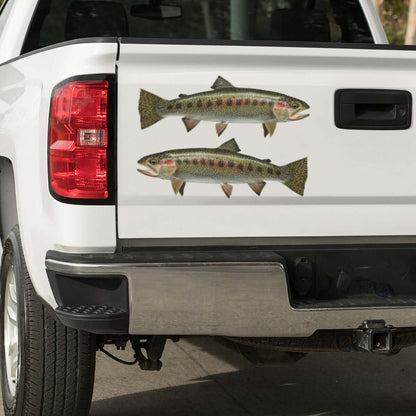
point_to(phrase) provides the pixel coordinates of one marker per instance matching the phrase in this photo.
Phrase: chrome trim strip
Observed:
(247, 299)
(116, 268)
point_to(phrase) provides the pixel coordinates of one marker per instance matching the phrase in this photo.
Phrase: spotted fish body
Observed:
(224, 104)
(241, 104)
(223, 165)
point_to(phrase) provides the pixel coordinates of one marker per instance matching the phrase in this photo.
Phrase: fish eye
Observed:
(295, 105)
(153, 161)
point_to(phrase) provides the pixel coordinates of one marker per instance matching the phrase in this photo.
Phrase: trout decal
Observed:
(225, 104)
(223, 165)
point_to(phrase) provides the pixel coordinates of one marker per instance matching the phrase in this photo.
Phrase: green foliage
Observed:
(395, 19)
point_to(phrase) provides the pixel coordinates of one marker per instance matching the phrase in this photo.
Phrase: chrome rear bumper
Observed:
(233, 298)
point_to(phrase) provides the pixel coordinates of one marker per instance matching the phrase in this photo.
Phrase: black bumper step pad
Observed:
(99, 319)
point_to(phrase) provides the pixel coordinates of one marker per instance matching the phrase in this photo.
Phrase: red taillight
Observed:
(79, 140)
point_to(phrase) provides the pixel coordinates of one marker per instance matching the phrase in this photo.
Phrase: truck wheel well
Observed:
(8, 211)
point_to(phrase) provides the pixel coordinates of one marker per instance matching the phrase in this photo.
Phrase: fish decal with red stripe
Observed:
(223, 105)
(223, 165)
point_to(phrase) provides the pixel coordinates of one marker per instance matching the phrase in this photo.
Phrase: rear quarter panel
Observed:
(26, 85)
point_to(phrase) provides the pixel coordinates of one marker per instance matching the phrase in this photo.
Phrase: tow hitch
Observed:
(374, 336)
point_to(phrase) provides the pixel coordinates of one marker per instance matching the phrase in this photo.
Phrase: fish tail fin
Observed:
(148, 104)
(297, 174)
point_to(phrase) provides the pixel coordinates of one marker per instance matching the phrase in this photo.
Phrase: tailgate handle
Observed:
(373, 109)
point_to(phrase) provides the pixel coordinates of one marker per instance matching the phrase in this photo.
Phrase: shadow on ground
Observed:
(320, 384)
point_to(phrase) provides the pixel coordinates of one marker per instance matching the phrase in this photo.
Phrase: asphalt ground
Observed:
(204, 377)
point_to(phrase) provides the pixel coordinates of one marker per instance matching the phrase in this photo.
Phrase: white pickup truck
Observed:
(238, 168)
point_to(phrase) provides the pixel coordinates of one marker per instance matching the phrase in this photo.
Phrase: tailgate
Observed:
(359, 182)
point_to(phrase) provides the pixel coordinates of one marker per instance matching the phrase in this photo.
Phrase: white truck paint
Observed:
(47, 224)
(44, 222)
(203, 264)
(354, 180)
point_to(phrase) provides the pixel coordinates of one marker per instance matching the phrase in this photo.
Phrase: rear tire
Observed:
(46, 368)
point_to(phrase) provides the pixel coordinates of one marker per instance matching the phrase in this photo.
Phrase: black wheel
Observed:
(46, 368)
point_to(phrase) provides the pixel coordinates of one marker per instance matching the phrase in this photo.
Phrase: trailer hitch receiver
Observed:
(374, 336)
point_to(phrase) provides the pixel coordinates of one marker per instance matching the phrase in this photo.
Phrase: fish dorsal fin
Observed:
(267, 160)
(221, 83)
(183, 95)
(231, 146)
